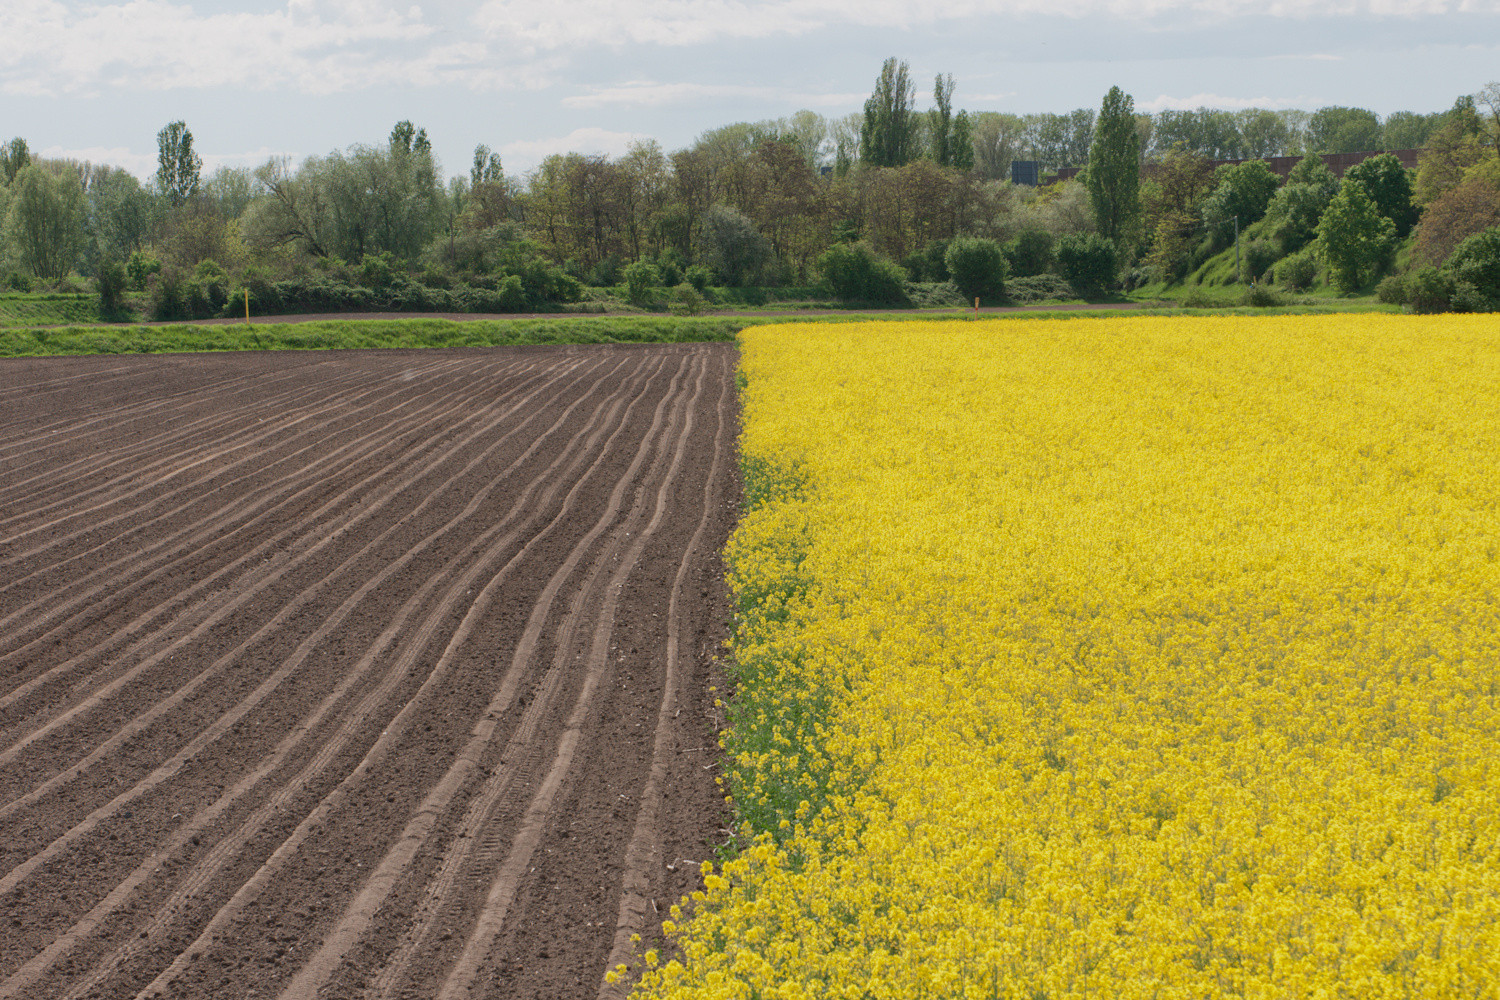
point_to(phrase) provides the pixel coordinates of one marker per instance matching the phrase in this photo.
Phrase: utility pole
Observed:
(1236, 249)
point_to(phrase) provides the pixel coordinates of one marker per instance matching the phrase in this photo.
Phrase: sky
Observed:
(257, 78)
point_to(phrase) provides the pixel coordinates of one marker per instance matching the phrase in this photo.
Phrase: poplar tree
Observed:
(177, 165)
(888, 136)
(1114, 171)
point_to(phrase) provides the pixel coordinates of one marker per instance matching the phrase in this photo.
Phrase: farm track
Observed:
(364, 674)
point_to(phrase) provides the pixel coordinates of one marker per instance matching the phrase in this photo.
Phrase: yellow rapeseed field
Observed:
(1136, 658)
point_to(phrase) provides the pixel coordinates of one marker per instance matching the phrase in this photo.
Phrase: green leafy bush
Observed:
(1038, 288)
(1296, 273)
(1391, 290)
(1261, 297)
(856, 272)
(112, 281)
(699, 277)
(1089, 261)
(1476, 263)
(642, 279)
(1029, 253)
(977, 267)
(1429, 290)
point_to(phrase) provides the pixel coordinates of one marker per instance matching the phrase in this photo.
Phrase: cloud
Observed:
(524, 154)
(317, 46)
(79, 48)
(545, 25)
(1166, 103)
(652, 94)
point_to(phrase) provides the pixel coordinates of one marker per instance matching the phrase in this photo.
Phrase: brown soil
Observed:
(359, 673)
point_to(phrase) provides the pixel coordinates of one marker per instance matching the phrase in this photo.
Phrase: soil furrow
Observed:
(367, 698)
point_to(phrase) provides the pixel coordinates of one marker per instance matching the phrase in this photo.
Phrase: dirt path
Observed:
(356, 674)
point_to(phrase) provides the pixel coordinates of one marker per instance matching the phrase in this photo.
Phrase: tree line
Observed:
(747, 204)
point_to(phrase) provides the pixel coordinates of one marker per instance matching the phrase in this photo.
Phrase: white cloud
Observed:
(1166, 103)
(79, 48)
(318, 46)
(527, 153)
(653, 94)
(540, 25)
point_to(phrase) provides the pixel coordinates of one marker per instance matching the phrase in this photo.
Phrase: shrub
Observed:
(686, 300)
(1089, 261)
(1261, 297)
(642, 279)
(1429, 290)
(1477, 262)
(166, 289)
(377, 270)
(671, 264)
(977, 267)
(434, 278)
(1296, 273)
(698, 276)
(856, 272)
(1391, 290)
(1029, 253)
(606, 273)
(1039, 287)
(1259, 255)
(733, 246)
(140, 267)
(111, 288)
(928, 264)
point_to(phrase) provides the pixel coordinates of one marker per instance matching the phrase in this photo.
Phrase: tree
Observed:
(961, 142)
(1300, 203)
(1338, 129)
(177, 166)
(1409, 129)
(1458, 213)
(1389, 186)
(13, 156)
(1244, 191)
(1475, 267)
(486, 168)
(44, 223)
(1450, 151)
(121, 215)
(1114, 177)
(407, 138)
(977, 267)
(889, 133)
(230, 189)
(997, 140)
(1353, 237)
(940, 122)
(733, 246)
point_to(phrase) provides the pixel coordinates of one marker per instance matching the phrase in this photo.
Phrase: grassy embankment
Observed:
(416, 333)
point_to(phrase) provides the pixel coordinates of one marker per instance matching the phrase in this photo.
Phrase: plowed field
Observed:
(355, 674)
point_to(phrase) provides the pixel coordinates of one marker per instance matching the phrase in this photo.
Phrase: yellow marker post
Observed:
(976, 306)
(247, 305)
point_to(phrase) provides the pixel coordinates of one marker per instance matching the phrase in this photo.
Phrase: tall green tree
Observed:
(1389, 186)
(961, 141)
(45, 220)
(177, 166)
(13, 156)
(1353, 237)
(889, 135)
(940, 122)
(1343, 130)
(1114, 174)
